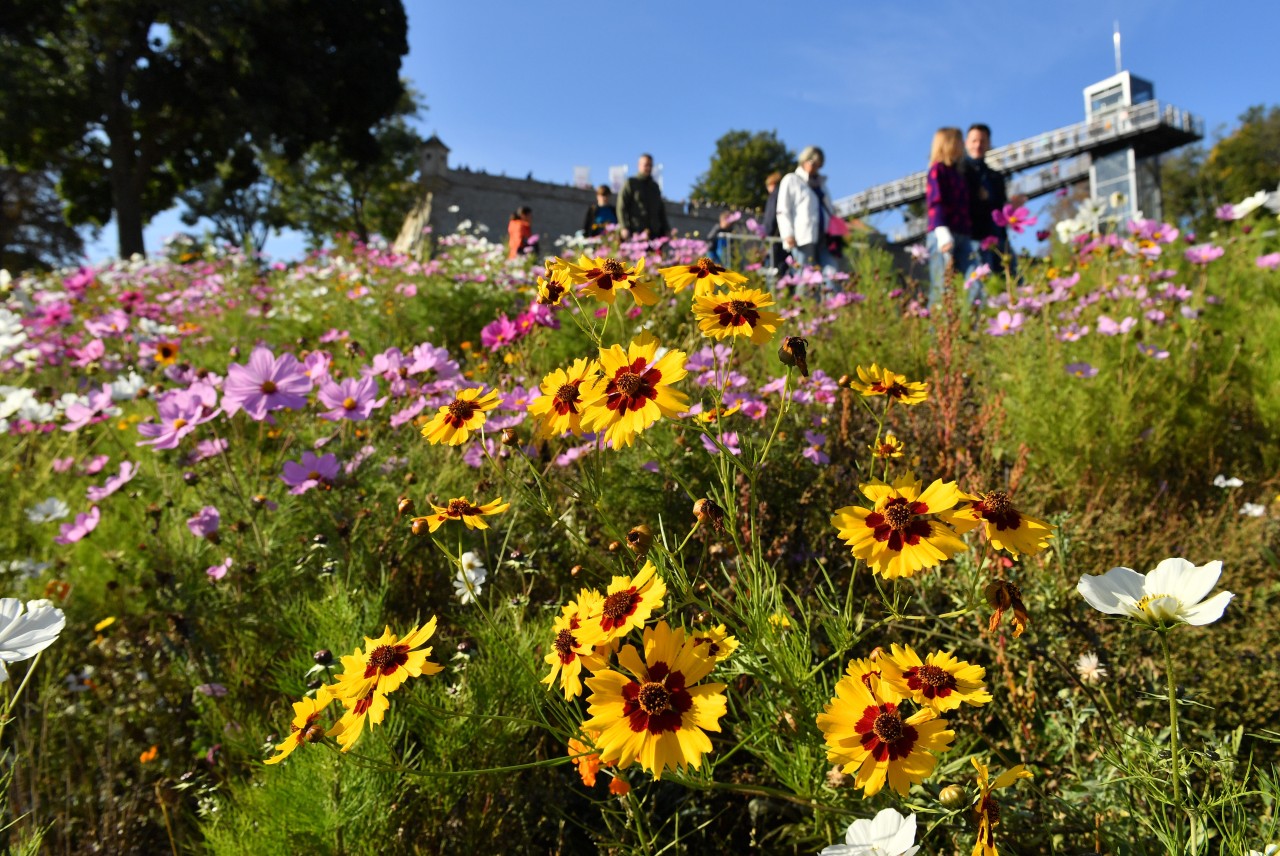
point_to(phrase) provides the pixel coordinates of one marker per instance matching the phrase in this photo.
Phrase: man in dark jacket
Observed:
(601, 214)
(769, 223)
(987, 194)
(640, 205)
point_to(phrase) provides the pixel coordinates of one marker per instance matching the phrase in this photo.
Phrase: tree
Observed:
(1195, 182)
(241, 201)
(132, 101)
(739, 167)
(33, 231)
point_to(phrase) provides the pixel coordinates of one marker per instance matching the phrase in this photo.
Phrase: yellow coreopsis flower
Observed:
(1005, 526)
(888, 447)
(603, 278)
(627, 605)
(738, 313)
(564, 395)
(568, 653)
(553, 285)
(704, 275)
(940, 681)
(657, 714)
(987, 809)
(637, 391)
(901, 534)
(457, 419)
(867, 735)
(460, 509)
(371, 707)
(303, 728)
(719, 644)
(878, 381)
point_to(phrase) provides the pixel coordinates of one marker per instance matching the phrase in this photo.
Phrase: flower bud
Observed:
(404, 505)
(323, 657)
(953, 797)
(191, 478)
(314, 733)
(575, 570)
(640, 539)
(509, 437)
(615, 546)
(419, 526)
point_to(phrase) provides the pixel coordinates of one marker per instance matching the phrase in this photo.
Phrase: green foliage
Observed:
(33, 231)
(1196, 182)
(741, 163)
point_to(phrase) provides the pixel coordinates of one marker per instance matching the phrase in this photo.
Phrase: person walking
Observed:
(987, 194)
(519, 231)
(947, 197)
(640, 205)
(601, 214)
(804, 210)
(769, 224)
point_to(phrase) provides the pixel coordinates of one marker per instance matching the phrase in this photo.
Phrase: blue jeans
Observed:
(962, 256)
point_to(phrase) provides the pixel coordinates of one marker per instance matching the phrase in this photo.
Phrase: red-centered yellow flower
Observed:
(564, 396)
(738, 313)
(719, 644)
(603, 278)
(568, 654)
(888, 447)
(1005, 526)
(370, 707)
(460, 509)
(637, 390)
(656, 715)
(878, 381)
(457, 419)
(987, 809)
(867, 671)
(303, 728)
(940, 681)
(385, 664)
(553, 285)
(704, 275)
(626, 605)
(868, 736)
(900, 534)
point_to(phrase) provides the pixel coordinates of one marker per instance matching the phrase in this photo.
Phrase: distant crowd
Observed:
(963, 198)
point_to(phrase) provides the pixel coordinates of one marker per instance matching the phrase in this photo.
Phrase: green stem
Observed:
(1173, 734)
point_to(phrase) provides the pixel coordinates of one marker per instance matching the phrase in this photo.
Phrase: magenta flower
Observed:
(267, 383)
(729, 439)
(100, 407)
(70, 533)
(206, 449)
(205, 523)
(1081, 370)
(499, 333)
(1202, 254)
(61, 465)
(1015, 218)
(1108, 327)
(1271, 261)
(1005, 323)
(350, 399)
(180, 411)
(1225, 212)
(215, 573)
(128, 469)
(93, 466)
(813, 450)
(309, 472)
(1153, 351)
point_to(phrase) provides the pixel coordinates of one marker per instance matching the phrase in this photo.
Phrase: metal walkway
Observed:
(1150, 127)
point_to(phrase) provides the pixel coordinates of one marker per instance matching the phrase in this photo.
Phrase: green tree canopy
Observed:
(1196, 182)
(132, 101)
(33, 232)
(741, 163)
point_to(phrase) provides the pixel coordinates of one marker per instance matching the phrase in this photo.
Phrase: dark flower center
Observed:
(898, 516)
(990, 808)
(888, 726)
(314, 475)
(568, 393)
(630, 383)
(618, 607)
(564, 645)
(459, 507)
(461, 410)
(385, 659)
(735, 313)
(613, 268)
(997, 508)
(934, 676)
(704, 266)
(653, 698)
(179, 423)
(269, 386)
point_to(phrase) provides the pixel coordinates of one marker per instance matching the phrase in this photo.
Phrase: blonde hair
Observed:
(948, 146)
(812, 153)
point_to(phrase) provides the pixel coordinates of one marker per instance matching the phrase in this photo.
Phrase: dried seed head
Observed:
(640, 539)
(708, 512)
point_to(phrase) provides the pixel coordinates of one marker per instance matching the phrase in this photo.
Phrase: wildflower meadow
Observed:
(622, 550)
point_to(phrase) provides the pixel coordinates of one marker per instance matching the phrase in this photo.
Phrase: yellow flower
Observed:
(900, 535)
(371, 707)
(460, 509)
(888, 447)
(1005, 526)
(878, 381)
(166, 353)
(554, 284)
(703, 274)
(637, 390)
(713, 415)
(940, 681)
(656, 715)
(603, 278)
(738, 313)
(720, 645)
(987, 809)
(568, 653)
(564, 394)
(304, 728)
(780, 621)
(627, 604)
(867, 735)
(457, 419)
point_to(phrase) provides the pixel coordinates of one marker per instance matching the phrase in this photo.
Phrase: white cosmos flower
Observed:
(470, 578)
(1224, 482)
(1243, 209)
(1173, 593)
(1253, 509)
(48, 511)
(887, 834)
(23, 634)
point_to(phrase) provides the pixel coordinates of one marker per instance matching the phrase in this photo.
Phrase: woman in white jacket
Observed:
(804, 210)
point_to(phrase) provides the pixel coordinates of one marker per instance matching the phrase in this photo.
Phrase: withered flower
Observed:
(1002, 596)
(794, 351)
(707, 511)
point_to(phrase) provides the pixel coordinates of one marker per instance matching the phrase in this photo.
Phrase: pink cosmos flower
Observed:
(499, 333)
(215, 573)
(1202, 254)
(409, 413)
(61, 465)
(1081, 370)
(1014, 218)
(112, 323)
(205, 523)
(70, 533)
(333, 334)
(813, 449)
(206, 449)
(1005, 323)
(316, 365)
(1225, 212)
(267, 383)
(728, 438)
(100, 406)
(93, 466)
(1271, 261)
(988, 242)
(309, 472)
(90, 353)
(180, 411)
(1153, 351)
(350, 399)
(1108, 327)
(128, 469)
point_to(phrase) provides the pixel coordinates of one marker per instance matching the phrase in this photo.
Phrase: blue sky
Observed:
(526, 86)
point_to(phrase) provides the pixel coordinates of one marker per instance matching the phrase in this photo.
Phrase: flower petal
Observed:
(1107, 593)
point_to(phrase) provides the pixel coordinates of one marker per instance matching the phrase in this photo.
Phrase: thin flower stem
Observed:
(17, 694)
(1173, 734)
